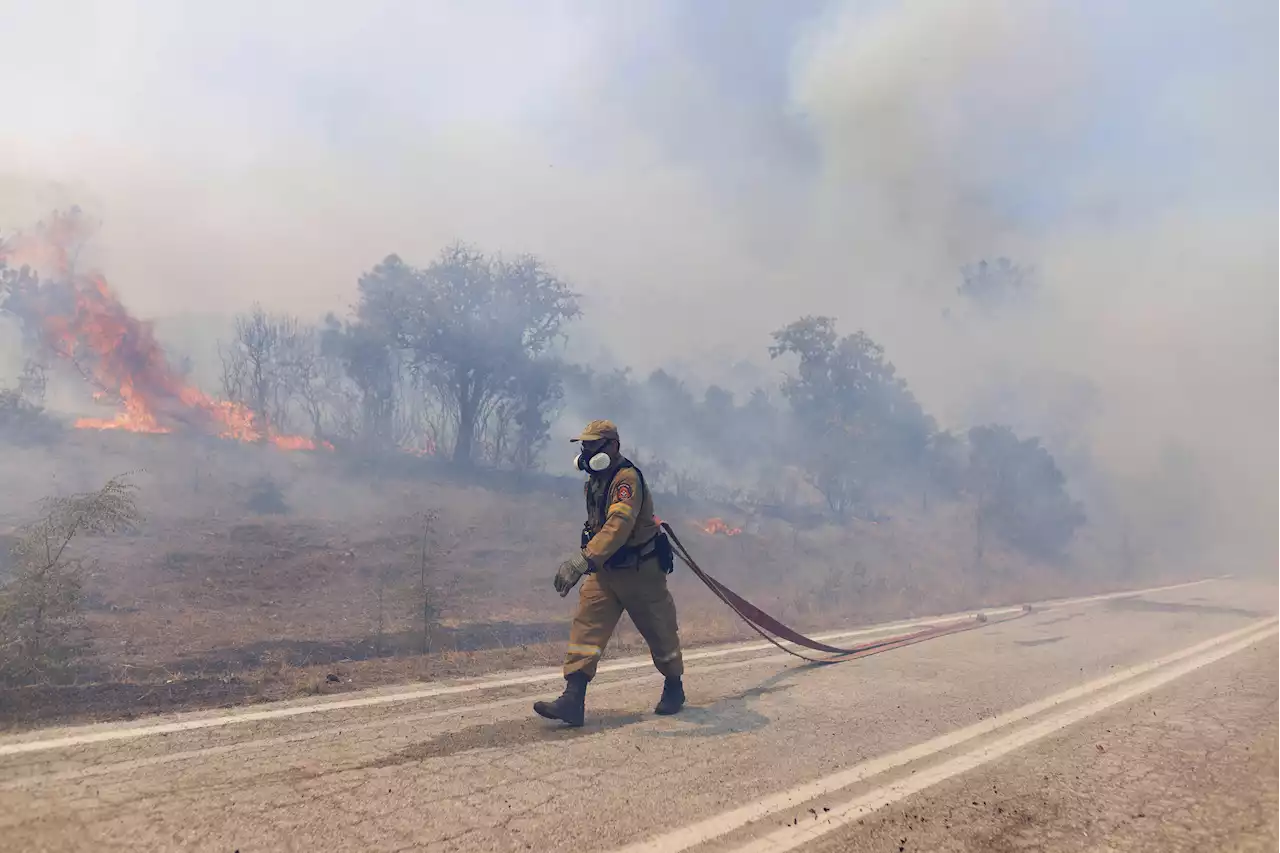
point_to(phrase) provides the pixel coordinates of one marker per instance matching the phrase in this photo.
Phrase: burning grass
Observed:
(717, 526)
(80, 320)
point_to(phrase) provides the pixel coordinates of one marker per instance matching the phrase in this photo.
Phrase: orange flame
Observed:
(80, 319)
(713, 526)
(429, 449)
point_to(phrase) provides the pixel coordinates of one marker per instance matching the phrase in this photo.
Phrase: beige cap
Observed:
(597, 430)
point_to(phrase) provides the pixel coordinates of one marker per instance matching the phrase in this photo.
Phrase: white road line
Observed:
(107, 766)
(456, 710)
(791, 837)
(726, 822)
(78, 736)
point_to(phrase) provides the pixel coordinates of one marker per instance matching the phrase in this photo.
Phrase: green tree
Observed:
(858, 422)
(469, 325)
(371, 363)
(1020, 492)
(993, 284)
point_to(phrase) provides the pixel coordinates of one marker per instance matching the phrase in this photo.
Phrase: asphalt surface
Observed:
(1143, 722)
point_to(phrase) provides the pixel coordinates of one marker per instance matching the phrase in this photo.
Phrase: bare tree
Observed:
(312, 380)
(256, 368)
(495, 432)
(308, 379)
(333, 399)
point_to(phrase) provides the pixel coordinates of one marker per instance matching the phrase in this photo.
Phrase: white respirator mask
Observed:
(596, 463)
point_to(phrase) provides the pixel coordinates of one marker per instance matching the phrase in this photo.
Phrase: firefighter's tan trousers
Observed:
(603, 597)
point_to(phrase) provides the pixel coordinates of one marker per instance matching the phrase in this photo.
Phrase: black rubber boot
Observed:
(672, 697)
(570, 707)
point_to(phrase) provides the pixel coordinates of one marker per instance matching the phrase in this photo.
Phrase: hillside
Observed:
(212, 602)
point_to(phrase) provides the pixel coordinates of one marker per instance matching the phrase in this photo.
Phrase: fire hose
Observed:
(774, 631)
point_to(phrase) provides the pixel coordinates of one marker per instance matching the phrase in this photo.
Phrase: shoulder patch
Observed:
(624, 491)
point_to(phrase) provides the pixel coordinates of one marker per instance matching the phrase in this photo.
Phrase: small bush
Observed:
(41, 593)
(266, 497)
(23, 419)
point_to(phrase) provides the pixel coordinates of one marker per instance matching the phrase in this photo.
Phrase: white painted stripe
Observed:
(399, 719)
(105, 764)
(726, 822)
(1048, 604)
(791, 837)
(81, 735)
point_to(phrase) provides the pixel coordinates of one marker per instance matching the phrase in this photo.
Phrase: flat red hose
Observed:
(771, 629)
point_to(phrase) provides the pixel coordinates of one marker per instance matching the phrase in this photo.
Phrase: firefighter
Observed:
(623, 563)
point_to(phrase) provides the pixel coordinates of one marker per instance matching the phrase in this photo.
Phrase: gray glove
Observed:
(569, 573)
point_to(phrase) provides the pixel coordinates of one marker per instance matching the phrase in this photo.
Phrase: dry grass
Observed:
(210, 604)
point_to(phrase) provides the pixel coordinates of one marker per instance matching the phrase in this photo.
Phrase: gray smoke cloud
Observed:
(1128, 155)
(705, 173)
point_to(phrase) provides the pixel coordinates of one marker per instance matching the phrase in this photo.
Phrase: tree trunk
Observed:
(979, 537)
(466, 426)
(260, 407)
(317, 421)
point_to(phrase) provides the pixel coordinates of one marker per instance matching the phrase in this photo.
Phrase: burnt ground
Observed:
(211, 604)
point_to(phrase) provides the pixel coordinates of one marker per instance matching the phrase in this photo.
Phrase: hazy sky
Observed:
(393, 126)
(705, 172)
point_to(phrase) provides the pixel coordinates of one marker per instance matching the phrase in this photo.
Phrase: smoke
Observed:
(282, 157)
(705, 173)
(1128, 156)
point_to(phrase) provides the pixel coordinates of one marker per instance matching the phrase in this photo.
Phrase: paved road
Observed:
(1144, 722)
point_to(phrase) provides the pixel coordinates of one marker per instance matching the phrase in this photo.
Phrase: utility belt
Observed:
(659, 546)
